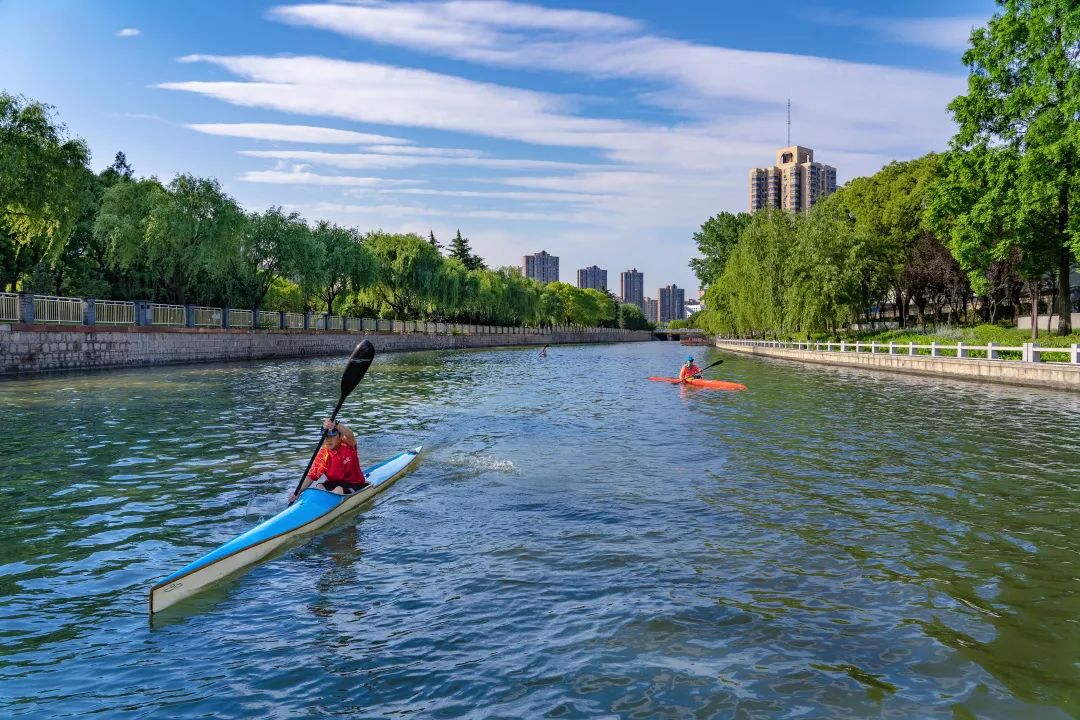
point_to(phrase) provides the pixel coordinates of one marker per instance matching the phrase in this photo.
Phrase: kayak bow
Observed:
(314, 509)
(702, 383)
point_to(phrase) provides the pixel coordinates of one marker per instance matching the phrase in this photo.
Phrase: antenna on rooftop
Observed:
(789, 122)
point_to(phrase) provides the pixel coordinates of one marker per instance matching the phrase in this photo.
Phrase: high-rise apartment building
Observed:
(592, 277)
(796, 183)
(632, 287)
(649, 309)
(541, 266)
(670, 303)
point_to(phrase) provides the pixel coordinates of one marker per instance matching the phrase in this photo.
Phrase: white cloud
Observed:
(294, 133)
(128, 32)
(373, 93)
(948, 34)
(630, 187)
(355, 161)
(698, 79)
(299, 177)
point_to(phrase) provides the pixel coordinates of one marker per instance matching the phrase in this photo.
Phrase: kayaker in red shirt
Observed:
(337, 462)
(689, 369)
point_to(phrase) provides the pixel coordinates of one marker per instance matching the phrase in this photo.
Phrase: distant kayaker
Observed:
(337, 462)
(543, 352)
(689, 370)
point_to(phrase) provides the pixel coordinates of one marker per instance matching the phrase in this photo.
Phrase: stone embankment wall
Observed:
(1058, 376)
(28, 349)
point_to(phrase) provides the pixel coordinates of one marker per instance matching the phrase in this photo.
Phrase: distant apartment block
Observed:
(632, 287)
(542, 266)
(671, 303)
(649, 308)
(592, 277)
(796, 183)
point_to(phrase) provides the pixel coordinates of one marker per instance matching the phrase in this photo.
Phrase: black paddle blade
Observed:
(359, 362)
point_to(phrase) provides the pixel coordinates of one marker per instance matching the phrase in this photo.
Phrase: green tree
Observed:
(434, 243)
(406, 280)
(748, 298)
(631, 317)
(43, 177)
(1021, 115)
(346, 262)
(715, 241)
(460, 249)
(274, 246)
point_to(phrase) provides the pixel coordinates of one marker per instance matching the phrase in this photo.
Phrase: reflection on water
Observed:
(578, 542)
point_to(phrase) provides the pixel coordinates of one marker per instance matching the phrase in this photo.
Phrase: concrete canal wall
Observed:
(27, 349)
(1059, 376)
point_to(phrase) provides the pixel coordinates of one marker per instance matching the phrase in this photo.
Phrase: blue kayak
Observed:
(312, 510)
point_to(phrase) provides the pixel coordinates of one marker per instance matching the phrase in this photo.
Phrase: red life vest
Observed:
(688, 371)
(341, 465)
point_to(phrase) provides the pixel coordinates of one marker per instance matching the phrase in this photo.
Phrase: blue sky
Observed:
(602, 132)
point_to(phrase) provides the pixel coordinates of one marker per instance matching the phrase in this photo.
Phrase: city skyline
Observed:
(517, 124)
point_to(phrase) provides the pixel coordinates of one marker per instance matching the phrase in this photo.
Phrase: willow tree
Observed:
(43, 178)
(749, 295)
(405, 280)
(1022, 111)
(275, 246)
(345, 263)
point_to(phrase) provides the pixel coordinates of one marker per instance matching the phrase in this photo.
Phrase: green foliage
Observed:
(43, 177)
(408, 279)
(284, 295)
(462, 251)
(631, 317)
(345, 263)
(678, 324)
(748, 297)
(715, 241)
(275, 247)
(1012, 185)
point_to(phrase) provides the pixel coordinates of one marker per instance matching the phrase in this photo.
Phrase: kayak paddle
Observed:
(698, 373)
(359, 362)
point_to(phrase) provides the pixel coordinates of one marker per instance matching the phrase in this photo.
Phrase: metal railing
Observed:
(114, 312)
(18, 307)
(239, 318)
(168, 315)
(9, 307)
(268, 319)
(206, 317)
(51, 309)
(1027, 352)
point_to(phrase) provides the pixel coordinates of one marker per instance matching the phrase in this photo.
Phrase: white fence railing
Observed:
(9, 307)
(268, 319)
(239, 318)
(50, 309)
(174, 315)
(206, 317)
(114, 312)
(1027, 352)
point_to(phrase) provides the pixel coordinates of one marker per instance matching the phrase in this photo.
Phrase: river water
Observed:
(576, 542)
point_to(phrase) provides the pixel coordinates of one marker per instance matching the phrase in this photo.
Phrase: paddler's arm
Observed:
(347, 435)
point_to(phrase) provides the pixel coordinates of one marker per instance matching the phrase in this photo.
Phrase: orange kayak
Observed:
(702, 383)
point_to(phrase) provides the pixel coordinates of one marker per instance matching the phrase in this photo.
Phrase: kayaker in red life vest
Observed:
(337, 461)
(689, 369)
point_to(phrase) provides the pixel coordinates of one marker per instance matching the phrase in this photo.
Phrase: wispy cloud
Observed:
(128, 32)
(948, 34)
(295, 133)
(282, 177)
(663, 142)
(356, 161)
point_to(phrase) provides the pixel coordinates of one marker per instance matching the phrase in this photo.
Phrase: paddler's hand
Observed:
(328, 424)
